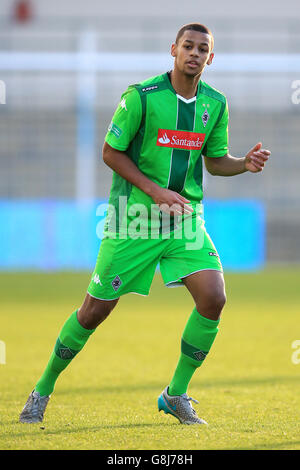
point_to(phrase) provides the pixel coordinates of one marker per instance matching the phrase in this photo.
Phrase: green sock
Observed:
(197, 339)
(71, 340)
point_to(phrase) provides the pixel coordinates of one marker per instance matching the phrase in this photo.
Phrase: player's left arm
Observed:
(254, 161)
(218, 160)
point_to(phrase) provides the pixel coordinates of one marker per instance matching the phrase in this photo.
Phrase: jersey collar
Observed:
(169, 85)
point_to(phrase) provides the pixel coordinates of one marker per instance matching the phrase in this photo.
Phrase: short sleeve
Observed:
(217, 143)
(126, 120)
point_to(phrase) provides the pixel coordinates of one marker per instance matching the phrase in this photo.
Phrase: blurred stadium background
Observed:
(64, 65)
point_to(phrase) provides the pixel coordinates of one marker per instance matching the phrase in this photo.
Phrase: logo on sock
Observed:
(63, 351)
(200, 355)
(66, 353)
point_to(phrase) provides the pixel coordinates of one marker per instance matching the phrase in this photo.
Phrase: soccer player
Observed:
(159, 133)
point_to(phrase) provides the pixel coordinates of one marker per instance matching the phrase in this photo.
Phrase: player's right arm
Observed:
(123, 128)
(125, 167)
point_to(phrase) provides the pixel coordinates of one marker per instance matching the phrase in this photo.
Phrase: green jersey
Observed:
(165, 135)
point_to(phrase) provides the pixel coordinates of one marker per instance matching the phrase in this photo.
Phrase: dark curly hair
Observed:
(195, 27)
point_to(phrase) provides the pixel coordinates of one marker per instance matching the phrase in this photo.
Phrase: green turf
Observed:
(248, 388)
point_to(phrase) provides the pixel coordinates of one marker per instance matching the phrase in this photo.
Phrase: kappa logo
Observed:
(184, 140)
(123, 104)
(96, 279)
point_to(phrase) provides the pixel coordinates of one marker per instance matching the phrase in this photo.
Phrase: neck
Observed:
(184, 85)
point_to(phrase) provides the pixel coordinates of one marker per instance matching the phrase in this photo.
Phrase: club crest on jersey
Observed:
(185, 140)
(205, 117)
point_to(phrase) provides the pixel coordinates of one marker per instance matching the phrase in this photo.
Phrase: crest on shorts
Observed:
(116, 283)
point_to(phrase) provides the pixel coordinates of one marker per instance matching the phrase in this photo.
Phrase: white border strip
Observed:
(177, 283)
(116, 298)
(30, 61)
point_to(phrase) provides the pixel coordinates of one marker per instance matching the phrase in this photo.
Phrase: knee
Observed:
(212, 304)
(94, 311)
(220, 301)
(99, 310)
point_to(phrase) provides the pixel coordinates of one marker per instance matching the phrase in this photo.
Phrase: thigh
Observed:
(186, 256)
(123, 266)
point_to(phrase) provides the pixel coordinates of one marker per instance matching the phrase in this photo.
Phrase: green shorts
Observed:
(127, 265)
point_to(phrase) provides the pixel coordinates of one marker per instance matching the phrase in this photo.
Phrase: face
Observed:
(192, 53)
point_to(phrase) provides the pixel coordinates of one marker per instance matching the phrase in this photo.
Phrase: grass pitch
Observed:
(248, 387)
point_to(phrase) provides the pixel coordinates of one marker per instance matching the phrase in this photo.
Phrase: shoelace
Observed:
(192, 399)
(35, 405)
(189, 399)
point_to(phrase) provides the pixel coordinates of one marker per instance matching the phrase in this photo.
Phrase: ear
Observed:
(211, 56)
(174, 50)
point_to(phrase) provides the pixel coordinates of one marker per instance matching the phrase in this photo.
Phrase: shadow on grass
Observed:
(69, 429)
(270, 446)
(158, 386)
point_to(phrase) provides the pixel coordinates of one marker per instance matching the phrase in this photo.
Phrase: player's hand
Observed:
(171, 202)
(256, 158)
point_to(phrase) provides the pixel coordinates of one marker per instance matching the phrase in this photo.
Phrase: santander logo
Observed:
(185, 140)
(164, 139)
